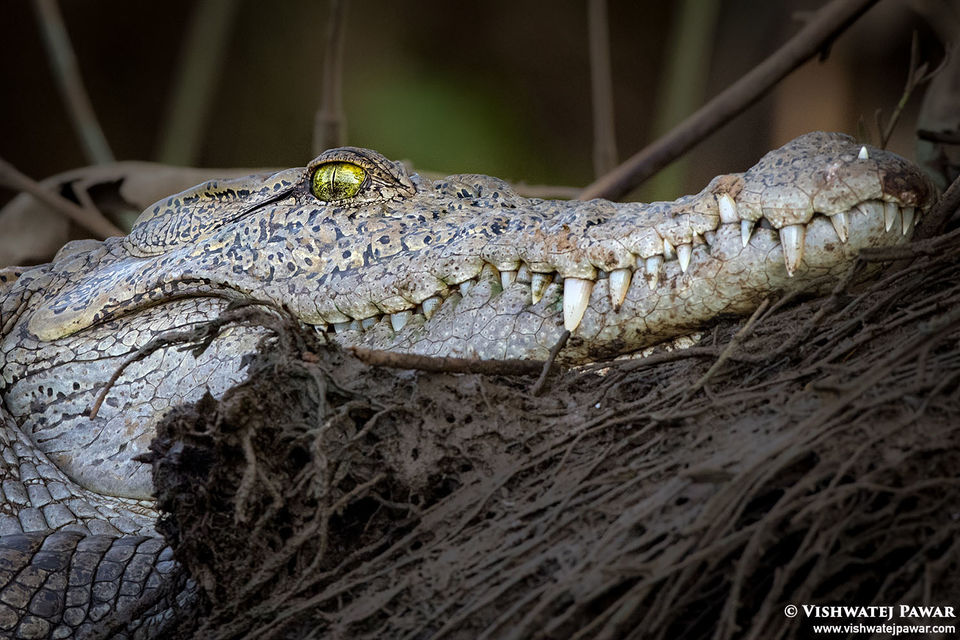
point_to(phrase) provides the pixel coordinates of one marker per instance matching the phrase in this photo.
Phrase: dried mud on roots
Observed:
(819, 464)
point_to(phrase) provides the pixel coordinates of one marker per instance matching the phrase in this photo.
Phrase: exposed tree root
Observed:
(815, 464)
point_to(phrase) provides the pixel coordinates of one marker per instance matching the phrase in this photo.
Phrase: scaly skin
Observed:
(460, 267)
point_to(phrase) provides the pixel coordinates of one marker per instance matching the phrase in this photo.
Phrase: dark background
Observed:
(499, 87)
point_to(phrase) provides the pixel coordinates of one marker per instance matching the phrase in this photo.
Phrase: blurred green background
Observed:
(496, 87)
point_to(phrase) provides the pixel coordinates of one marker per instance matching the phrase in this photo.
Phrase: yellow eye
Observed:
(337, 181)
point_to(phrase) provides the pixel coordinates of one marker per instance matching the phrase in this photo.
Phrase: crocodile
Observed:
(370, 255)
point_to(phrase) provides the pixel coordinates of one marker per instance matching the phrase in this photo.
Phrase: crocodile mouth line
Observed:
(898, 220)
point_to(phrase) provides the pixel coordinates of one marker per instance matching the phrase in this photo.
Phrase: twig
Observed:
(916, 76)
(548, 366)
(601, 85)
(394, 360)
(90, 219)
(667, 356)
(936, 219)
(329, 129)
(199, 68)
(201, 336)
(939, 137)
(67, 73)
(822, 29)
(731, 347)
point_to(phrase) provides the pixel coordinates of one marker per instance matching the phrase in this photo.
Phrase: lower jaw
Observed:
(492, 322)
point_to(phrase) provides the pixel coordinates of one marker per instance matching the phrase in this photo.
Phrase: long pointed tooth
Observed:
(576, 297)
(465, 287)
(863, 155)
(728, 209)
(710, 237)
(908, 213)
(890, 211)
(791, 237)
(538, 285)
(684, 251)
(400, 319)
(669, 252)
(619, 283)
(746, 230)
(523, 273)
(354, 325)
(841, 224)
(366, 323)
(430, 306)
(652, 269)
(507, 278)
(341, 327)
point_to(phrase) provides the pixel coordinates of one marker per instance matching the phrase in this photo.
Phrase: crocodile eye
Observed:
(337, 181)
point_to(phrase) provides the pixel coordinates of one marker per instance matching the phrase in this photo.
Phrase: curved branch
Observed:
(91, 220)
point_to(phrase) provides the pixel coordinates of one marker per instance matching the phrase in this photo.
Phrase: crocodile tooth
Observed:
(619, 283)
(507, 278)
(538, 285)
(366, 323)
(489, 272)
(728, 209)
(465, 287)
(863, 155)
(341, 327)
(746, 230)
(907, 219)
(652, 268)
(710, 238)
(791, 237)
(400, 319)
(576, 297)
(430, 306)
(841, 224)
(890, 211)
(355, 325)
(523, 273)
(669, 253)
(684, 252)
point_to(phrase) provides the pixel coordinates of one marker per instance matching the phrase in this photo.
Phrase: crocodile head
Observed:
(356, 247)
(372, 256)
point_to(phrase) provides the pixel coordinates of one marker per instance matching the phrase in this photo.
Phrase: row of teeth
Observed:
(577, 291)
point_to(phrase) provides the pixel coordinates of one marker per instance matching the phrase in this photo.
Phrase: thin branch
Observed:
(936, 219)
(731, 347)
(916, 76)
(939, 137)
(394, 360)
(67, 73)
(601, 83)
(329, 128)
(201, 63)
(548, 366)
(822, 29)
(90, 219)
